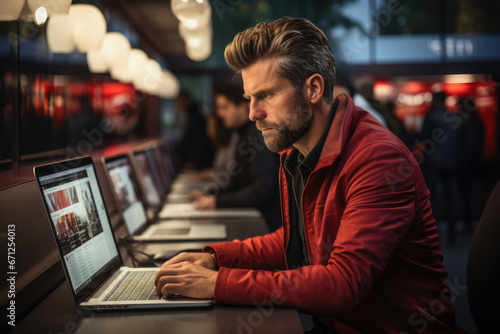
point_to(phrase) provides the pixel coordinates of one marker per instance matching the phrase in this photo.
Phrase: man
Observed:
(359, 248)
(251, 178)
(441, 166)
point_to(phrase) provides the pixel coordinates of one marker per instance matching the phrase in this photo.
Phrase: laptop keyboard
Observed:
(135, 285)
(172, 231)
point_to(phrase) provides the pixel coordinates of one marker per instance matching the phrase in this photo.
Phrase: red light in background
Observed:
(412, 101)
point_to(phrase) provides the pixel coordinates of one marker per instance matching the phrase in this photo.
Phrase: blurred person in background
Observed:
(195, 150)
(82, 124)
(251, 178)
(224, 141)
(440, 137)
(344, 84)
(472, 147)
(396, 125)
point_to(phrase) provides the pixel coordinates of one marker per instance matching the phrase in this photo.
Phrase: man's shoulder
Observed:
(368, 135)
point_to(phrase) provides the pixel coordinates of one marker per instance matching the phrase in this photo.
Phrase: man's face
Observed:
(282, 114)
(232, 115)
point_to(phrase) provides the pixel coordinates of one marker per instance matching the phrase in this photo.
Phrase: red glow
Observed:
(112, 88)
(414, 87)
(412, 102)
(461, 89)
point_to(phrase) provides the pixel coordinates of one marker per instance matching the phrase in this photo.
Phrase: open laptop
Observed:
(83, 233)
(145, 170)
(126, 192)
(150, 184)
(188, 211)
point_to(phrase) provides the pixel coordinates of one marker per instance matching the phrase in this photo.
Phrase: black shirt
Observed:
(298, 168)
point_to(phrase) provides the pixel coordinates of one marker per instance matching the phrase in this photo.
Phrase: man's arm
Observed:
(194, 274)
(378, 214)
(263, 252)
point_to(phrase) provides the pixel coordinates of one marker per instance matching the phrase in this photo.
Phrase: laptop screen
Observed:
(156, 173)
(149, 183)
(166, 160)
(127, 193)
(81, 226)
(165, 167)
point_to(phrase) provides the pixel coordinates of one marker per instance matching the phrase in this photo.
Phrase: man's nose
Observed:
(256, 111)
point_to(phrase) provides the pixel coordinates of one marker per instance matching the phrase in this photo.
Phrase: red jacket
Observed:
(376, 262)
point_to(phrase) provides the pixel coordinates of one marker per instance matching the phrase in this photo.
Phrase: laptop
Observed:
(84, 237)
(145, 170)
(188, 211)
(150, 183)
(165, 158)
(126, 192)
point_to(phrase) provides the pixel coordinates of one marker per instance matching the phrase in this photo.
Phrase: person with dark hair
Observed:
(396, 125)
(251, 178)
(195, 150)
(359, 248)
(224, 141)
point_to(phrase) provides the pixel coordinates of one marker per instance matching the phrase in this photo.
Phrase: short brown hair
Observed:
(300, 48)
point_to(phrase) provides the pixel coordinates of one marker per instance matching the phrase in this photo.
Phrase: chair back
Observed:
(483, 267)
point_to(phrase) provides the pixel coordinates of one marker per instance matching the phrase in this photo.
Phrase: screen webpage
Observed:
(152, 193)
(126, 193)
(83, 232)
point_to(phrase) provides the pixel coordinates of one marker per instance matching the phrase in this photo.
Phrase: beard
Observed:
(295, 126)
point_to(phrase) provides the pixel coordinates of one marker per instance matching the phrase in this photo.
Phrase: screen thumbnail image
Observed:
(75, 229)
(68, 234)
(73, 195)
(90, 208)
(124, 189)
(58, 200)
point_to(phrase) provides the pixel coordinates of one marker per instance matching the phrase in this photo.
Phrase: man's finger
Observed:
(176, 260)
(166, 280)
(171, 289)
(171, 270)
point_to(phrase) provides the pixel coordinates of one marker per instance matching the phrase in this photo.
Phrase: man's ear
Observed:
(313, 88)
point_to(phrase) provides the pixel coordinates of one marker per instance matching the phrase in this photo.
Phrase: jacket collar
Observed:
(339, 133)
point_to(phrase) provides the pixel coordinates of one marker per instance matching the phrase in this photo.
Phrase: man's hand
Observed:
(205, 202)
(202, 259)
(189, 275)
(195, 194)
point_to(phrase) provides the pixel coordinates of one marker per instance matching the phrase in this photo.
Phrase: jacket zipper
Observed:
(282, 170)
(302, 213)
(303, 220)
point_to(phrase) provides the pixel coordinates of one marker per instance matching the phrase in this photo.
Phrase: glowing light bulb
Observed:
(41, 15)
